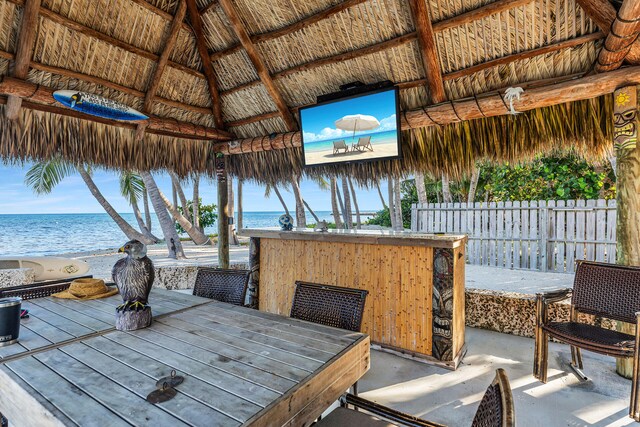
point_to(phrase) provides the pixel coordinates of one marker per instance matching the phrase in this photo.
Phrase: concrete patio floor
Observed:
(452, 397)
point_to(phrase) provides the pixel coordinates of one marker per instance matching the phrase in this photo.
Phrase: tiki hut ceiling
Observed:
(222, 70)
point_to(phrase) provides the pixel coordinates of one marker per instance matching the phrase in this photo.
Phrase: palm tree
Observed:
(355, 204)
(384, 205)
(132, 188)
(473, 185)
(267, 194)
(198, 237)
(233, 237)
(166, 223)
(175, 181)
(301, 217)
(421, 188)
(348, 215)
(44, 176)
(334, 203)
(392, 211)
(446, 191)
(196, 202)
(342, 208)
(398, 204)
(147, 211)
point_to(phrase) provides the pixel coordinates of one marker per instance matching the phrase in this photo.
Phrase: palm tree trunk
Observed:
(355, 204)
(392, 211)
(196, 202)
(198, 237)
(301, 217)
(240, 225)
(233, 237)
(420, 187)
(313, 214)
(334, 203)
(473, 185)
(446, 191)
(398, 203)
(284, 205)
(345, 220)
(166, 223)
(183, 199)
(147, 211)
(140, 220)
(126, 228)
(384, 204)
(347, 203)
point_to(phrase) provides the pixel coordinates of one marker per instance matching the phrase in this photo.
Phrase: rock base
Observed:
(133, 320)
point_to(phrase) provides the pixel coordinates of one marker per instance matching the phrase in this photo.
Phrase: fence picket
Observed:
(559, 235)
(611, 231)
(533, 234)
(492, 234)
(591, 229)
(581, 218)
(508, 234)
(500, 233)
(524, 233)
(601, 229)
(570, 236)
(516, 234)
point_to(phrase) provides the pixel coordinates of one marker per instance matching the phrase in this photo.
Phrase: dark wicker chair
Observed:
(222, 285)
(605, 290)
(329, 305)
(38, 289)
(496, 410)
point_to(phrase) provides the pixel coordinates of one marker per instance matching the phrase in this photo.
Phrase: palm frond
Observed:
(44, 176)
(131, 186)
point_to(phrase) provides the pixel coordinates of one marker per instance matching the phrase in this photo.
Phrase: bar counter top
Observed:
(372, 237)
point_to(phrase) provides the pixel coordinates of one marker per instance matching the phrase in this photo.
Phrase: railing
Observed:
(538, 235)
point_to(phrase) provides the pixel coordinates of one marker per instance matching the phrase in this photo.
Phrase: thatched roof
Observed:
(265, 58)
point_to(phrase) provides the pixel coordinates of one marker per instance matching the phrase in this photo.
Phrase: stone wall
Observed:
(16, 277)
(514, 313)
(182, 277)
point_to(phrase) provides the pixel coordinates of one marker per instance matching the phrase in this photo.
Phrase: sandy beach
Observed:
(102, 261)
(380, 150)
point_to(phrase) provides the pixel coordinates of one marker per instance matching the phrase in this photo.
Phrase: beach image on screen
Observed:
(354, 129)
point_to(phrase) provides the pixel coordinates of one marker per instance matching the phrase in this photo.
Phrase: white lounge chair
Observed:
(364, 143)
(340, 145)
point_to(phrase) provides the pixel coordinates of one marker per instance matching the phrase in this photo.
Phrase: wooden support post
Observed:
(24, 51)
(223, 213)
(254, 266)
(624, 32)
(625, 136)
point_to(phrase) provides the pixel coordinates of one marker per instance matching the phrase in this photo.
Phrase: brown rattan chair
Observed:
(329, 305)
(496, 410)
(605, 290)
(222, 285)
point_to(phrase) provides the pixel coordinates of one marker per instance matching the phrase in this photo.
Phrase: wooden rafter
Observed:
(40, 98)
(163, 60)
(212, 83)
(603, 14)
(258, 63)
(25, 44)
(508, 59)
(624, 33)
(485, 105)
(208, 7)
(428, 50)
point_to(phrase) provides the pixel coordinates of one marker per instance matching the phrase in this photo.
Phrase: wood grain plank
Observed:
(55, 396)
(45, 330)
(54, 319)
(181, 406)
(69, 313)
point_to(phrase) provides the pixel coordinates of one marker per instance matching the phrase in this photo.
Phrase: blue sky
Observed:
(72, 196)
(318, 123)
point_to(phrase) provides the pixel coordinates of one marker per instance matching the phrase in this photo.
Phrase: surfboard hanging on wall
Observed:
(97, 105)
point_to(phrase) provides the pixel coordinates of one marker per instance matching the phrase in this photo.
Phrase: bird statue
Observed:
(134, 276)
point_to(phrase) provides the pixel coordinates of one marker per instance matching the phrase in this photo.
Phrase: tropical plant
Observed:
(42, 178)
(207, 215)
(132, 188)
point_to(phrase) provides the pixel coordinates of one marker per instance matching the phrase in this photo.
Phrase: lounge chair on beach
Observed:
(364, 143)
(340, 145)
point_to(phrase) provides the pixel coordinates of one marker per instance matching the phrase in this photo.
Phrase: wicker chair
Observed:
(38, 289)
(496, 410)
(222, 285)
(329, 305)
(605, 290)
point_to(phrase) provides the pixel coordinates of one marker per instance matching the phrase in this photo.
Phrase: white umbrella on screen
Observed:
(357, 122)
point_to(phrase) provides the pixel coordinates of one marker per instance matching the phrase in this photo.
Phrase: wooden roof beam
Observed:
(428, 50)
(41, 98)
(24, 52)
(258, 63)
(489, 104)
(623, 35)
(208, 7)
(603, 14)
(212, 83)
(169, 44)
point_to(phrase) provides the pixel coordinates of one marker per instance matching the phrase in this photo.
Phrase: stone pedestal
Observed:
(133, 320)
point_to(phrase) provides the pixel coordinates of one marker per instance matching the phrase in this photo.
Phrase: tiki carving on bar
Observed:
(221, 172)
(442, 347)
(625, 131)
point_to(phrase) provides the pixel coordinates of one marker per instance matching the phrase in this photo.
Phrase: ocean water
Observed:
(327, 144)
(50, 234)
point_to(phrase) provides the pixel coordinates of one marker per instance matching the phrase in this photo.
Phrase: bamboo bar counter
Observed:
(415, 281)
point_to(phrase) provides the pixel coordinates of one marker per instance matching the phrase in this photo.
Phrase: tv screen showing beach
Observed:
(361, 128)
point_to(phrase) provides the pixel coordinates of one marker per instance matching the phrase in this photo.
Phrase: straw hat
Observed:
(86, 289)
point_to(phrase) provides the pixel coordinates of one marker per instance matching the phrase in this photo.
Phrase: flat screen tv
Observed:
(359, 128)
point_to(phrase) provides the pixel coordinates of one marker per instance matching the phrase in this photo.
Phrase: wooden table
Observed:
(241, 366)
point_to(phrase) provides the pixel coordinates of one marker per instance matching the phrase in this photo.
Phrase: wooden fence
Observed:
(543, 235)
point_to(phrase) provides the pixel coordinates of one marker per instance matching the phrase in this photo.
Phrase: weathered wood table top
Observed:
(241, 366)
